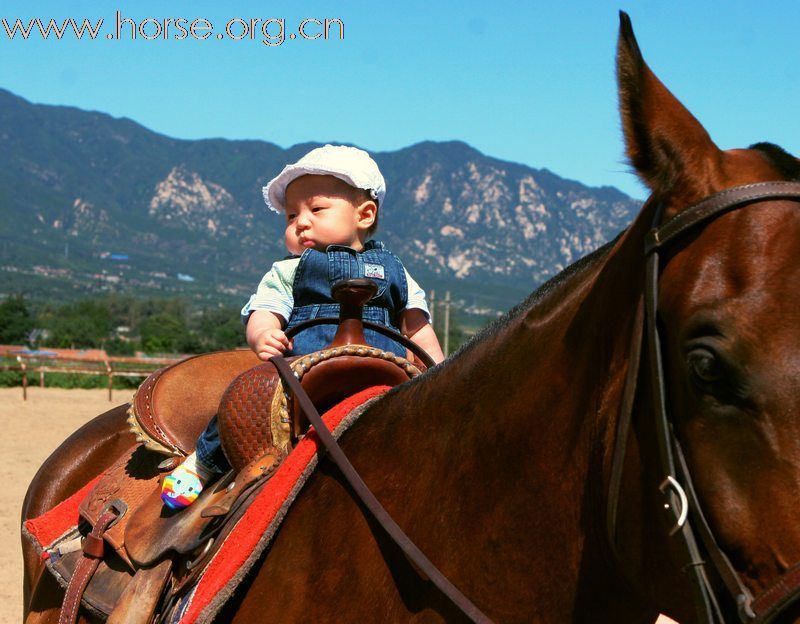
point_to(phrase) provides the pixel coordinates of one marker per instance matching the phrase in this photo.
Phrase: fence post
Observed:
(447, 323)
(110, 378)
(24, 367)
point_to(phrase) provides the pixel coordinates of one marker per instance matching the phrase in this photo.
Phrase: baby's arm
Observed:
(265, 334)
(414, 325)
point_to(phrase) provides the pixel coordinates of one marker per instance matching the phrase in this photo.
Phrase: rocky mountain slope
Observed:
(90, 203)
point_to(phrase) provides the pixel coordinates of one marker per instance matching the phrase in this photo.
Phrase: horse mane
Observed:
(782, 160)
(552, 285)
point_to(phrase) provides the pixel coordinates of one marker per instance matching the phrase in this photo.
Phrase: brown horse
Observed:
(498, 462)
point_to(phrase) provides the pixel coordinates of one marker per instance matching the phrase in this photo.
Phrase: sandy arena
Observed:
(51, 414)
(32, 430)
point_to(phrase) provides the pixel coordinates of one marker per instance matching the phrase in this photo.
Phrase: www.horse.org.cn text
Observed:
(269, 31)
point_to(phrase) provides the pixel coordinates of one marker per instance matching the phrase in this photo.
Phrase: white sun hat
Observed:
(350, 164)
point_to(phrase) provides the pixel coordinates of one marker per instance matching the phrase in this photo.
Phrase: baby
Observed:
(330, 198)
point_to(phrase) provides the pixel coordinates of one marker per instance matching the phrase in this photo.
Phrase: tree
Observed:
(118, 346)
(220, 328)
(164, 333)
(86, 324)
(16, 321)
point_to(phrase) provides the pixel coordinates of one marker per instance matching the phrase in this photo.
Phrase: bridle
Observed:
(680, 499)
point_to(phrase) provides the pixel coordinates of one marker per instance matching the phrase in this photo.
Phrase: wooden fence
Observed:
(65, 361)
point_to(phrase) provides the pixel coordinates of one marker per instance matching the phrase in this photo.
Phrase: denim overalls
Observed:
(316, 273)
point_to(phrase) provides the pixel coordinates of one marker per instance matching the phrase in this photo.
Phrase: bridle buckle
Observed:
(671, 483)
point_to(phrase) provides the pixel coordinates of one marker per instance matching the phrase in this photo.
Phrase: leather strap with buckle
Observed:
(681, 500)
(93, 550)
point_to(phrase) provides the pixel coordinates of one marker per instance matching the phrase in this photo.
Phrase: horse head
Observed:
(729, 321)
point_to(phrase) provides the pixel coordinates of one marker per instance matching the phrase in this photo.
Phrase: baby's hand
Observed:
(271, 342)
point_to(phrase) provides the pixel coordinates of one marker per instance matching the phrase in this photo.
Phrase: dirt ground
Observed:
(31, 430)
(50, 414)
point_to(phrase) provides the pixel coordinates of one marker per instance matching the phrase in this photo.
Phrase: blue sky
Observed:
(530, 82)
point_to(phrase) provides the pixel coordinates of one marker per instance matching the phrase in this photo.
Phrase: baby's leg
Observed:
(209, 450)
(182, 487)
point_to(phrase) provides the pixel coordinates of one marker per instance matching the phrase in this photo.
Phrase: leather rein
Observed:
(376, 510)
(680, 499)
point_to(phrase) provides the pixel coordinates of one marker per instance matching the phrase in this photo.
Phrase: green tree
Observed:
(220, 328)
(164, 333)
(116, 346)
(16, 321)
(86, 324)
(142, 309)
(121, 308)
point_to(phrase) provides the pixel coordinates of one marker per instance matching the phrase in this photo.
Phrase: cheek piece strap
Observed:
(688, 525)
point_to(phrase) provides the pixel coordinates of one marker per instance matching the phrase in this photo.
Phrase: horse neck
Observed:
(546, 384)
(520, 424)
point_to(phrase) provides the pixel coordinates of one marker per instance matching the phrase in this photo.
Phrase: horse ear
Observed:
(664, 142)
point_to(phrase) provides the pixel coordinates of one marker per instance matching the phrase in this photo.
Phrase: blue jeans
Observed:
(209, 449)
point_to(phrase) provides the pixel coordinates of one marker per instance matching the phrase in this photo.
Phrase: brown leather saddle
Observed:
(132, 556)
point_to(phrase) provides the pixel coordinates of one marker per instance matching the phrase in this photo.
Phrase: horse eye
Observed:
(704, 366)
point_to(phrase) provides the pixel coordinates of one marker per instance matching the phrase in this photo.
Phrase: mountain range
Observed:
(90, 203)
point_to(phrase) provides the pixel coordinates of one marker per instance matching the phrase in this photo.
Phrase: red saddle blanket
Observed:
(252, 533)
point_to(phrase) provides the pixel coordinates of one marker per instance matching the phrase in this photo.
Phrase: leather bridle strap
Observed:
(715, 205)
(774, 600)
(721, 562)
(414, 554)
(623, 428)
(770, 602)
(708, 609)
(682, 499)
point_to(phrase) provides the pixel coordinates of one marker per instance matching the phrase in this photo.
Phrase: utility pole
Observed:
(447, 323)
(433, 304)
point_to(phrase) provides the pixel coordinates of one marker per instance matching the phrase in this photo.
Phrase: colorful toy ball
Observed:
(179, 491)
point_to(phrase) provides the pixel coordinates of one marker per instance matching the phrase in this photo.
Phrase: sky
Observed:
(529, 82)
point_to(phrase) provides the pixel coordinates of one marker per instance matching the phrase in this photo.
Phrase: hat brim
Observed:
(275, 191)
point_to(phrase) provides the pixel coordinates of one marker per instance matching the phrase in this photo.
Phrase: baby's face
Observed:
(320, 212)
